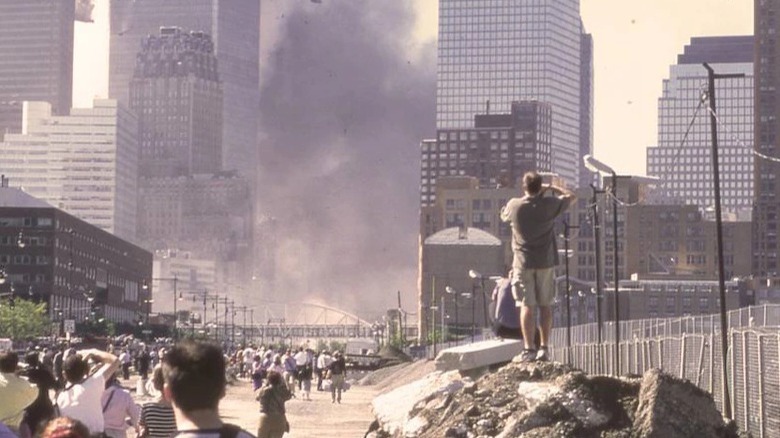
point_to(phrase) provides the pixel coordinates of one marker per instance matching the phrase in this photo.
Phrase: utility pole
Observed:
(597, 244)
(566, 235)
(724, 343)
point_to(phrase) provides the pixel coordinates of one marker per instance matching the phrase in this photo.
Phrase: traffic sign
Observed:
(70, 326)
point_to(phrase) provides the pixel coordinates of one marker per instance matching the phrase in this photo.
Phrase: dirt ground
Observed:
(318, 418)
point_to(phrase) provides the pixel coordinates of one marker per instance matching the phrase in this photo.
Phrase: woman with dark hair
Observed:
(272, 396)
(41, 410)
(157, 417)
(65, 427)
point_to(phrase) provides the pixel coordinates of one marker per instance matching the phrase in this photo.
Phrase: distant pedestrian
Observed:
(126, 359)
(532, 218)
(323, 363)
(143, 362)
(272, 397)
(338, 374)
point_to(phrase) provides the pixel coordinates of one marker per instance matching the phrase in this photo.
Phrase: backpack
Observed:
(504, 314)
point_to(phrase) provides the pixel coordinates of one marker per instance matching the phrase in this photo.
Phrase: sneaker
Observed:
(541, 355)
(528, 355)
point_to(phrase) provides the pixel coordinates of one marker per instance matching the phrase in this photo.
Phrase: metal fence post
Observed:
(761, 406)
(699, 370)
(682, 357)
(745, 378)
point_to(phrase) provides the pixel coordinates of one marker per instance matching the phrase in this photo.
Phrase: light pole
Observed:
(719, 227)
(454, 294)
(597, 167)
(477, 276)
(566, 236)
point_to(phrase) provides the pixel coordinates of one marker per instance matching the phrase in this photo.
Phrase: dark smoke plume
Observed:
(346, 99)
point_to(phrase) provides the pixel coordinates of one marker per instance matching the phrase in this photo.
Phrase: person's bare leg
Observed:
(545, 324)
(528, 323)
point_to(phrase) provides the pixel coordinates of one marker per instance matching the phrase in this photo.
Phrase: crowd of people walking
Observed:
(69, 393)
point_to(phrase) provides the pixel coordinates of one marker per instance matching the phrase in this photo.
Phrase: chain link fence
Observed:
(690, 348)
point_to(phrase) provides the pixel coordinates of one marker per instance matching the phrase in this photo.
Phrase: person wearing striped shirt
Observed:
(157, 417)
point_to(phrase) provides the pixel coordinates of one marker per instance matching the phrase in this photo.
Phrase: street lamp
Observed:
(477, 276)
(597, 167)
(455, 295)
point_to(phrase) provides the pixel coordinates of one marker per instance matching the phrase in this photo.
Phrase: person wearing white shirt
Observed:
(81, 398)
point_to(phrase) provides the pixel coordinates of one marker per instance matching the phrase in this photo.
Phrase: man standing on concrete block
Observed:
(535, 255)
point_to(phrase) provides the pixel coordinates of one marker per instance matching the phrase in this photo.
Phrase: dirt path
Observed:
(318, 418)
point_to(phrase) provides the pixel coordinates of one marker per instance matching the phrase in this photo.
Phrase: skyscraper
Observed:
(492, 53)
(766, 213)
(36, 57)
(85, 163)
(686, 168)
(235, 29)
(177, 95)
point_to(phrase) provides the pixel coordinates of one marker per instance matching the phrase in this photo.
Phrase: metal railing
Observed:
(689, 348)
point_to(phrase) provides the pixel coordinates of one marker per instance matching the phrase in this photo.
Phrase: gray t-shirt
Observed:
(533, 228)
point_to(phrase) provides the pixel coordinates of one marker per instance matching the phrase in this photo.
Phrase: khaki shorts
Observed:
(536, 286)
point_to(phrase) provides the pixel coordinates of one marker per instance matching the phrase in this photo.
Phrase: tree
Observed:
(22, 319)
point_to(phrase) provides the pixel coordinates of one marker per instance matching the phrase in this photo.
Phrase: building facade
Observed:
(445, 260)
(50, 256)
(235, 29)
(491, 54)
(36, 48)
(766, 211)
(686, 168)
(177, 95)
(85, 163)
(497, 150)
(677, 241)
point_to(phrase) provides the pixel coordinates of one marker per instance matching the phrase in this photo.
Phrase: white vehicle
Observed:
(361, 347)
(6, 344)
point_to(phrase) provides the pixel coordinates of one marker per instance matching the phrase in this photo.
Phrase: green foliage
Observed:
(23, 319)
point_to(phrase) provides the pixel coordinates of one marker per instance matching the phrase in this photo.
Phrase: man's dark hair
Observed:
(274, 378)
(532, 182)
(195, 373)
(8, 362)
(75, 368)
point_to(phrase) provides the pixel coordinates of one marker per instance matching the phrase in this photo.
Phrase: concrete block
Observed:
(478, 354)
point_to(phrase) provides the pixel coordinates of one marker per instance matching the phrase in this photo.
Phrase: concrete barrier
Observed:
(478, 355)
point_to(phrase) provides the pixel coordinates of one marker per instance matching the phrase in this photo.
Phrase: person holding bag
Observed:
(272, 397)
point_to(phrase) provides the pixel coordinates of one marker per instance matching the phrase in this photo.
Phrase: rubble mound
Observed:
(548, 400)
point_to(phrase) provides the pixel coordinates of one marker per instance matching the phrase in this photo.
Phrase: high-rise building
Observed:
(234, 27)
(177, 95)
(493, 53)
(85, 163)
(497, 148)
(586, 107)
(36, 49)
(766, 211)
(684, 164)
